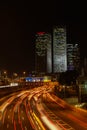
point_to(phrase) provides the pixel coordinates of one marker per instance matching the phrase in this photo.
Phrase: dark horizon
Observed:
(20, 21)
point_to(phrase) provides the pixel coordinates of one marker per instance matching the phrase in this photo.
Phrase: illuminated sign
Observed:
(40, 33)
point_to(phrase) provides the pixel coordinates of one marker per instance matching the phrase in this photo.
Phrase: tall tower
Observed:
(73, 57)
(76, 57)
(70, 62)
(59, 50)
(43, 55)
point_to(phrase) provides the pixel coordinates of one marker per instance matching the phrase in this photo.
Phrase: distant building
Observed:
(82, 83)
(43, 56)
(59, 50)
(53, 54)
(73, 57)
(84, 67)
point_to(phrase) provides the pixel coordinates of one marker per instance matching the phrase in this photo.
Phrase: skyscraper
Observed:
(53, 54)
(73, 57)
(43, 56)
(70, 62)
(59, 50)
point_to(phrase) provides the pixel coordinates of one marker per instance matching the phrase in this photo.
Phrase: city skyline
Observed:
(20, 21)
(53, 54)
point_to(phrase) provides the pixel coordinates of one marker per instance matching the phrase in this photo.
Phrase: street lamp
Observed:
(5, 74)
(24, 74)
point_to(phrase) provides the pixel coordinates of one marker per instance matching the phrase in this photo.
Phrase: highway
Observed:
(39, 109)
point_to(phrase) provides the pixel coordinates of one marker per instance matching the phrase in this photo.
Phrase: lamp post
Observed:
(79, 93)
(5, 74)
(5, 77)
(24, 73)
(64, 90)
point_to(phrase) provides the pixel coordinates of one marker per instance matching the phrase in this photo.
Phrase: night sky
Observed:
(20, 20)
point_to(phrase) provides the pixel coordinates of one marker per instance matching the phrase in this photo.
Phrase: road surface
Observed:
(39, 109)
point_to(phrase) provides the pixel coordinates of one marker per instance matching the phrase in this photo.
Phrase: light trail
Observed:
(27, 106)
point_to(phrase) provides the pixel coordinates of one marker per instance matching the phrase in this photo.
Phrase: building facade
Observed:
(70, 62)
(53, 54)
(73, 57)
(43, 56)
(59, 50)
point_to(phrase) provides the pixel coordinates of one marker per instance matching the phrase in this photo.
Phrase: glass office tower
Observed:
(59, 50)
(43, 56)
(70, 62)
(73, 57)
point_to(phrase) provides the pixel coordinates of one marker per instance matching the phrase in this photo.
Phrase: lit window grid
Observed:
(59, 50)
